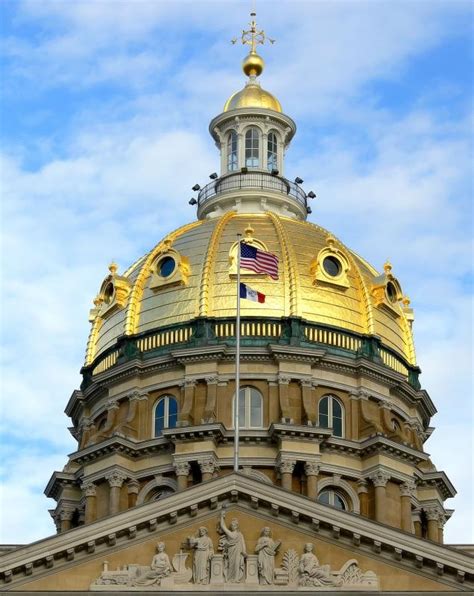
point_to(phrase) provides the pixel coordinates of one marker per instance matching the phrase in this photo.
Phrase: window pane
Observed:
(272, 152)
(255, 409)
(172, 413)
(232, 152)
(336, 409)
(338, 502)
(337, 426)
(324, 497)
(323, 407)
(251, 148)
(242, 421)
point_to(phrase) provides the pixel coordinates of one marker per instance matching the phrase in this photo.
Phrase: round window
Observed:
(391, 292)
(108, 293)
(332, 266)
(166, 266)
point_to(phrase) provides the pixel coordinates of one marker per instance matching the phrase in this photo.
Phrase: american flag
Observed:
(258, 260)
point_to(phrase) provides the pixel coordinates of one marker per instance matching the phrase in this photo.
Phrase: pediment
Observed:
(348, 553)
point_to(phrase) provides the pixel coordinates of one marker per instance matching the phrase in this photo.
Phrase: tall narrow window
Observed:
(331, 414)
(272, 151)
(166, 414)
(232, 162)
(251, 148)
(250, 408)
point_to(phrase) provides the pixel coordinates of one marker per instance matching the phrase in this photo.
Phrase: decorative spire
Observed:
(253, 64)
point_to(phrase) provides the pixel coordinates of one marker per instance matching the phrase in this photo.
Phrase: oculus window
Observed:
(166, 414)
(331, 414)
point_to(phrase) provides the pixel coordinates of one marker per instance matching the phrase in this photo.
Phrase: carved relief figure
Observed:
(311, 572)
(160, 567)
(203, 551)
(266, 549)
(233, 546)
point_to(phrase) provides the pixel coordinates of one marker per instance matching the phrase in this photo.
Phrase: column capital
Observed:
(384, 403)
(89, 489)
(286, 466)
(113, 404)
(408, 489)
(133, 487)
(433, 513)
(137, 395)
(189, 383)
(307, 383)
(362, 486)
(182, 468)
(212, 379)
(284, 379)
(312, 468)
(66, 514)
(115, 479)
(208, 465)
(380, 478)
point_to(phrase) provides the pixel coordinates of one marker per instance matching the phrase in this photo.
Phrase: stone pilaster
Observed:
(379, 480)
(307, 398)
(286, 467)
(90, 494)
(182, 469)
(441, 522)
(115, 480)
(133, 487)
(354, 413)
(416, 519)
(210, 413)
(407, 490)
(311, 469)
(186, 414)
(363, 492)
(65, 516)
(137, 422)
(284, 396)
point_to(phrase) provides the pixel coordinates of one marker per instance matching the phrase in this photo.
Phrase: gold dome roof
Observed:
(252, 96)
(205, 284)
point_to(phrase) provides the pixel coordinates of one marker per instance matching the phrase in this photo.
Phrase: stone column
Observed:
(407, 490)
(283, 390)
(115, 480)
(380, 480)
(441, 522)
(432, 514)
(65, 515)
(133, 488)
(182, 469)
(416, 519)
(307, 398)
(286, 470)
(311, 469)
(89, 492)
(208, 466)
(362, 491)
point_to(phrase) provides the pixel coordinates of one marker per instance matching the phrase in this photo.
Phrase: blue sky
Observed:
(105, 109)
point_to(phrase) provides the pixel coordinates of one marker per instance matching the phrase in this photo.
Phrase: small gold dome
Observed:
(253, 64)
(252, 96)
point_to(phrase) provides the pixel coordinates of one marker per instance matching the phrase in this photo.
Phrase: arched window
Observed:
(250, 408)
(232, 162)
(331, 414)
(166, 414)
(251, 148)
(328, 496)
(272, 152)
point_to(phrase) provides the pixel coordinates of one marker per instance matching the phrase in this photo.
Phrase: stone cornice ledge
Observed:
(446, 565)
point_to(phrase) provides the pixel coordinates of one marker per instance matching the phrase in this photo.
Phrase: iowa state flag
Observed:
(249, 294)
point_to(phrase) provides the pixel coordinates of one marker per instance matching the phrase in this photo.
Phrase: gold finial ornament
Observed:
(113, 268)
(253, 64)
(387, 267)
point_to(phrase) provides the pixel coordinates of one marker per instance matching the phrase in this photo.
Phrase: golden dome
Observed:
(252, 96)
(203, 284)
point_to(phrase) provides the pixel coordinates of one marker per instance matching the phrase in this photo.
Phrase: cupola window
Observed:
(333, 498)
(272, 152)
(250, 408)
(331, 414)
(166, 414)
(252, 148)
(232, 162)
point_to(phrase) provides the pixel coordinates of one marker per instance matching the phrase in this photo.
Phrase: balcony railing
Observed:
(252, 180)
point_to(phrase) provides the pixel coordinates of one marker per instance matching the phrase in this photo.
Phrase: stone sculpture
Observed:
(312, 573)
(233, 546)
(160, 568)
(266, 549)
(203, 552)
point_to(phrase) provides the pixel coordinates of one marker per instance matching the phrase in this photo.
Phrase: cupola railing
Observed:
(252, 180)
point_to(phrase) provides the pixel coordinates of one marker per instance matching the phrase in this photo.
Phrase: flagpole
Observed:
(237, 364)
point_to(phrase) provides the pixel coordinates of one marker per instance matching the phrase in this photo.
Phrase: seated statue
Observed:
(311, 572)
(160, 567)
